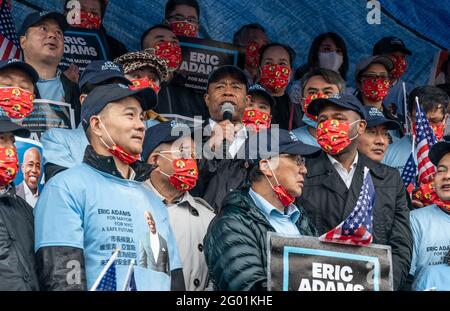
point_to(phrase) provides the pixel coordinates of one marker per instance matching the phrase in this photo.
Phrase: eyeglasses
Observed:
(182, 153)
(181, 18)
(299, 160)
(375, 76)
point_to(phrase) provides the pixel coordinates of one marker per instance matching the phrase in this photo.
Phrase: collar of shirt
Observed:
(342, 171)
(186, 197)
(268, 209)
(28, 192)
(58, 74)
(241, 133)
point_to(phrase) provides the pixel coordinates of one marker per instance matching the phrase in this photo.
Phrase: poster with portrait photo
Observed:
(29, 179)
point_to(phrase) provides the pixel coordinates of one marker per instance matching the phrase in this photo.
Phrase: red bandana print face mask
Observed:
(438, 130)
(375, 89)
(427, 195)
(9, 165)
(256, 119)
(171, 52)
(118, 151)
(280, 191)
(399, 66)
(307, 101)
(274, 77)
(88, 21)
(184, 28)
(144, 83)
(185, 174)
(333, 135)
(16, 102)
(252, 55)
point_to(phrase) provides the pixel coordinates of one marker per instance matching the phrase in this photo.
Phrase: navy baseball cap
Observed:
(16, 63)
(376, 117)
(439, 150)
(99, 71)
(104, 94)
(33, 18)
(346, 101)
(227, 70)
(164, 132)
(390, 45)
(6, 125)
(257, 89)
(273, 142)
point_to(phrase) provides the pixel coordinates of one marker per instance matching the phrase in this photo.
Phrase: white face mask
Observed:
(330, 60)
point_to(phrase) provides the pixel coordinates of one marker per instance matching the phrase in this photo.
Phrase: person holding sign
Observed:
(85, 212)
(64, 148)
(17, 86)
(174, 98)
(42, 43)
(17, 262)
(276, 62)
(335, 177)
(236, 241)
(170, 148)
(430, 225)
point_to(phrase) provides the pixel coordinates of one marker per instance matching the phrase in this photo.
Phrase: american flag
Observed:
(9, 44)
(409, 173)
(130, 282)
(356, 229)
(424, 140)
(108, 282)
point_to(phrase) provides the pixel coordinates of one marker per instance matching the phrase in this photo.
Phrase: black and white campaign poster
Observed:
(201, 56)
(82, 46)
(47, 114)
(306, 264)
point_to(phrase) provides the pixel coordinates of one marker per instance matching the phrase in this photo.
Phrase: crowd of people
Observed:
(190, 207)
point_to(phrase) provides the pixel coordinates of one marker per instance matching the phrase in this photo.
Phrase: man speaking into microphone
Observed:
(220, 168)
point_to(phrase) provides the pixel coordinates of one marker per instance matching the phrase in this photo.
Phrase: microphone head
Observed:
(227, 111)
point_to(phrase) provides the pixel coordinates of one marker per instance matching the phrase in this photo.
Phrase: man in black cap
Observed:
(395, 48)
(88, 211)
(236, 241)
(375, 140)
(222, 165)
(169, 146)
(42, 43)
(17, 87)
(17, 262)
(64, 148)
(335, 177)
(431, 229)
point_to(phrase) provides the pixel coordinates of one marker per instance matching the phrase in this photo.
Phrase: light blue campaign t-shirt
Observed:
(97, 212)
(303, 134)
(430, 227)
(51, 89)
(398, 153)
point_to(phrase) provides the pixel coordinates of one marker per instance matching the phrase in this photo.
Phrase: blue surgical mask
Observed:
(308, 121)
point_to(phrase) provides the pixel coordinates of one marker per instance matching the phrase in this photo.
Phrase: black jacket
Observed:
(236, 244)
(286, 114)
(328, 202)
(218, 177)
(71, 96)
(174, 98)
(17, 259)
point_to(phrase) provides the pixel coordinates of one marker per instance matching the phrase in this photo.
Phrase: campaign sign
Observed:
(306, 264)
(81, 47)
(201, 56)
(29, 179)
(47, 114)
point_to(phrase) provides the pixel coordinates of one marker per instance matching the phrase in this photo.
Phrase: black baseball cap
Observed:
(257, 89)
(272, 142)
(376, 117)
(164, 132)
(439, 150)
(16, 63)
(227, 70)
(390, 45)
(346, 101)
(6, 126)
(378, 59)
(99, 71)
(104, 94)
(34, 18)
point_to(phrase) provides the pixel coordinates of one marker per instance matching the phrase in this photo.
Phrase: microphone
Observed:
(227, 111)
